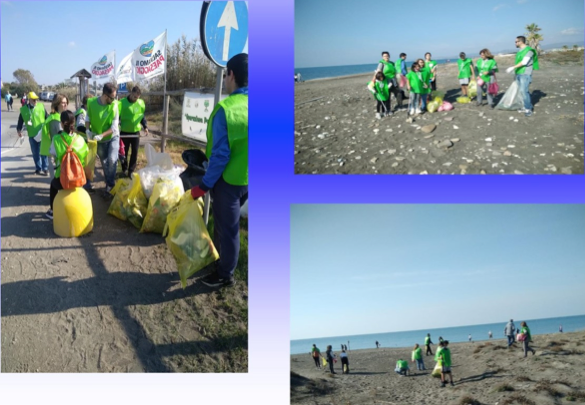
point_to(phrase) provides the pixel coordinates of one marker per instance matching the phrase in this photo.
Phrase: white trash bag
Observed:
(513, 98)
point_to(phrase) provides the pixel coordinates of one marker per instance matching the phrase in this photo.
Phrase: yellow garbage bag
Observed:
(90, 160)
(433, 106)
(472, 89)
(438, 96)
(324, 361)
(463, 100)
(166, 194)
(130, 204)
(120, 184)
(437, 370)
(187, 237)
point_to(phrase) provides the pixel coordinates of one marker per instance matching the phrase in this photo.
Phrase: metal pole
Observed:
(217, 96)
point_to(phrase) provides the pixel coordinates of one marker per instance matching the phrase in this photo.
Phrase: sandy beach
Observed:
(484, 373)
(336, 131)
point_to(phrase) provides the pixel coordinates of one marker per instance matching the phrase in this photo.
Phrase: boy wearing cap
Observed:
(33, 114)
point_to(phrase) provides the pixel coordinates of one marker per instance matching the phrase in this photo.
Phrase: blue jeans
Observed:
(108, 153)
(41, 162)
(524, 82)
(420, 365)
(510, 339)
(227, 200)
(423, 103)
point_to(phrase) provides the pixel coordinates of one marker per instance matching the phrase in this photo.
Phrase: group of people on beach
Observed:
(442, 356)
(393, 78)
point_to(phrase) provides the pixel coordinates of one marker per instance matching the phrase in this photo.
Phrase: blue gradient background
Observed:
(273, 187)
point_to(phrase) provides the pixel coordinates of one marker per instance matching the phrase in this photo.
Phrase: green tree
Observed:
(575, 47)
(533, 37)
(565, 47)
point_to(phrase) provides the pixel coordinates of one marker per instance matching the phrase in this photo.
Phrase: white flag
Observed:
(104, 67)
(124, 71)
(149, 58)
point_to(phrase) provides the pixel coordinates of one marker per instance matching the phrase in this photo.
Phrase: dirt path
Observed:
(109, 301)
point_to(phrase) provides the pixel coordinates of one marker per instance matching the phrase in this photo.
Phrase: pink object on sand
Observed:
(480, 82)
(447, 106)
(440, 108)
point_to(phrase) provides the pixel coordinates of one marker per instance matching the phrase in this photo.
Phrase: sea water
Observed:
(347, 70)
(453, 334)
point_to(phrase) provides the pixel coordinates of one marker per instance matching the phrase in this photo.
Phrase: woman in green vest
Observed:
(65, 137)
(386, 66)
(33, 115)
(51, 127)
(417, 356)
(524, 329)
(416, 86)
(465, 67)
(486, 68)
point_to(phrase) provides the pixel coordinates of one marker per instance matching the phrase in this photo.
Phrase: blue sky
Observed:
(56, 39)
(359, 269)
(348, 32)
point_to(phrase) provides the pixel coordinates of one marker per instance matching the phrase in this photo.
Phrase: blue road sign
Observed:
(122, 88)
(224, 30)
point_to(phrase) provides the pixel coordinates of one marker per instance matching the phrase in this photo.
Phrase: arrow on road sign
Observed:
(228, 20)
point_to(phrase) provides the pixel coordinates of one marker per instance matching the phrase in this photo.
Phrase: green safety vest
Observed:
(100, 117)
(398, 66)
(389, 69)
(426, 77)
(416, 86)
(431, 64)
(521, 54)
(445, 357)
(36, 116)
(79, 148)
(437, 353)
(81, 110)
(416, 354)
(464, 68)
(427, 340)
(131, 114)
(236, 114)
(46, 135)
(383, 92)
(486, 65)
(401, 364)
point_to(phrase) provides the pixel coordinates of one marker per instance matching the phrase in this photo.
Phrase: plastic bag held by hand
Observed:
(188, 239)
(510, 69)
(98, 138)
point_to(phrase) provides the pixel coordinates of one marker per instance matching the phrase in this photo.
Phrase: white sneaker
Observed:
(411, 112)
(522, 111)
(378, 116)
(418, 111)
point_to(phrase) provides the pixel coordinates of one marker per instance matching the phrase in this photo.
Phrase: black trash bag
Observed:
(196, 168)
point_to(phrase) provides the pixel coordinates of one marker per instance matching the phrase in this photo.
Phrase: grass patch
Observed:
(576, 396)
(467, 400)
(547, 386)
(504, 388)
(517, 399)
(564, 58)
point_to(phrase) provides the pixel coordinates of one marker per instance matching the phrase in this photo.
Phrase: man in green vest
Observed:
(526, 62)
(227, 174)
(33, 114)
(102, 125)
(131, 120)
(389, 69)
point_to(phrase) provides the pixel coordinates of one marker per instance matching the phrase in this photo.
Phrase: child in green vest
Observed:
(417, 356)
(402, 367)
(416, 86)
(465, 66)
(445, 358)
(59, 148)
(381, 92)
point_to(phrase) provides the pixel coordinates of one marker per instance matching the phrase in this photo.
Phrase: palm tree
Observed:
(533, 37)
(565, 47)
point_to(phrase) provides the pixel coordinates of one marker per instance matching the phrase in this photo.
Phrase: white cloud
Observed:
(71, 44)
(499, 6)
(572, 31)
